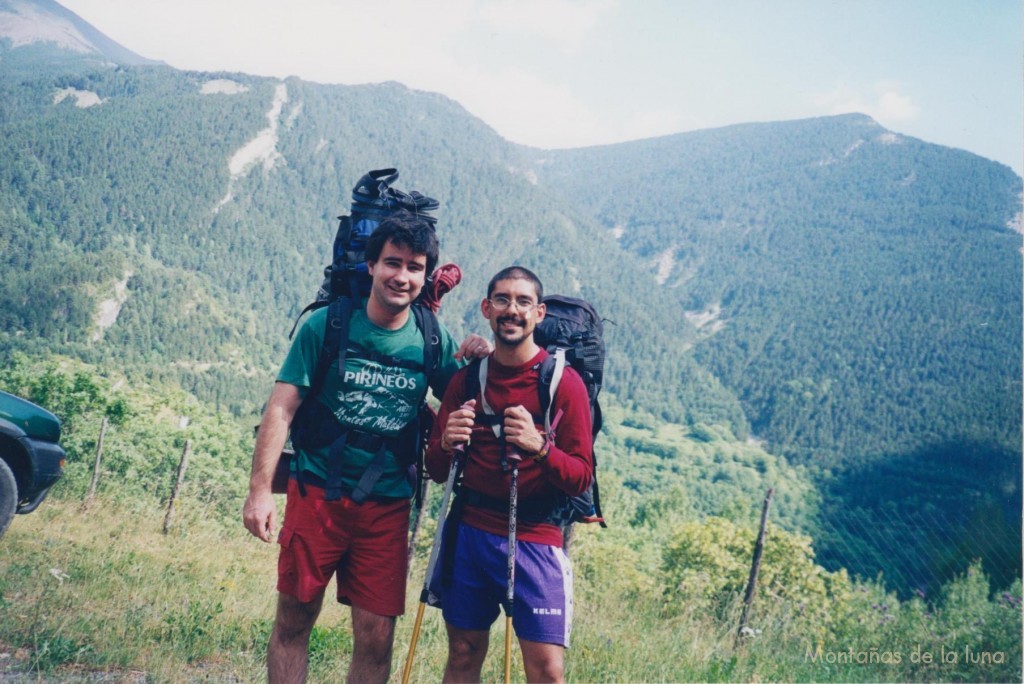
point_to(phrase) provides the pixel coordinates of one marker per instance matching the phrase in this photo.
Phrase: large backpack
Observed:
(346, 283)
(573, 334)
(373, 200)
(573, 327)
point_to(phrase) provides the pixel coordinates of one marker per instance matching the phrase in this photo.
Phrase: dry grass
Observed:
(103, 596)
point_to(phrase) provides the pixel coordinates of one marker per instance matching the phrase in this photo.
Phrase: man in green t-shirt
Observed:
(379, 392)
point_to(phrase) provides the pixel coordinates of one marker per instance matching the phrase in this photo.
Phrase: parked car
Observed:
(31, 458)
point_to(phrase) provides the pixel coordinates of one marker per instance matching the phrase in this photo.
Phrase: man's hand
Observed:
(459, 428)
(474, 347)
(260, 515)
(521, 432)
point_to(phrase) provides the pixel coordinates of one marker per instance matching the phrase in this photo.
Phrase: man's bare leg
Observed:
(543, 662)
(288, 651)
(373, 638)
(466, 652)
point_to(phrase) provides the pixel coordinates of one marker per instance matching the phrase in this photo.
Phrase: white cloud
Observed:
(564, 22)
(425, 45)
(418, 43)
(527, 109)
(321, 40)
(885, 102)
(893, 106)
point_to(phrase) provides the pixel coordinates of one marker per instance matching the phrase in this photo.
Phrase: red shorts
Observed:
(366, 545)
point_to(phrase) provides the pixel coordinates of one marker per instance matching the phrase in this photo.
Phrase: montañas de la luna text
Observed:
(876, 656)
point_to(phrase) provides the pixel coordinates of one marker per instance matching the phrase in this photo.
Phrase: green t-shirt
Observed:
(370, 397)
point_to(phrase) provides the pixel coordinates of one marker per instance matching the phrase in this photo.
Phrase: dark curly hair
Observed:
(404, 229)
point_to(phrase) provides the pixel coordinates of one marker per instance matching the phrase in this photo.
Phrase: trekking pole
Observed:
(421, 510)
(434, 551)
(510, 588)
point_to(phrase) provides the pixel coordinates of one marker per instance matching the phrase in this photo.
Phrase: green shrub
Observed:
(708, 563)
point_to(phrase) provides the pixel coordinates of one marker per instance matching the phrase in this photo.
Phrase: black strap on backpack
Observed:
(476, 377)
(313, 425)
(426, 322)
(563, 509)
(550, 375)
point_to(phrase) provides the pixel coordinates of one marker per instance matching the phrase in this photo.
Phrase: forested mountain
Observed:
(862, 289)
(846, 296)
(860, 293)
(154, 187)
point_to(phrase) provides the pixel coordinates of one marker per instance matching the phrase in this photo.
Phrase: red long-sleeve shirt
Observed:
(568, 467)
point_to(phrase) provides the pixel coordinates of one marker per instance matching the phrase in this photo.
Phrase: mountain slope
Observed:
(865, 286)
(861, 295)
(214, 196)
(56, 33)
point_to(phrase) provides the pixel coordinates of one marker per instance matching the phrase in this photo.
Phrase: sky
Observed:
(574, 73)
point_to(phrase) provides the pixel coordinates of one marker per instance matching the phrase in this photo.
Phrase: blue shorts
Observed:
(542, 609)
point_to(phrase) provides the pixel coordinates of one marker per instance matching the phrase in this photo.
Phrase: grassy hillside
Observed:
(105, 595)
(96, 590)
(100, 592)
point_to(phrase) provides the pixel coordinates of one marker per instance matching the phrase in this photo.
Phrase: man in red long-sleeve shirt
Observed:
(500, 427)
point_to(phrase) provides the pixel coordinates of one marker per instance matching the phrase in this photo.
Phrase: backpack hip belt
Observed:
(378, 445)
(317, 427)
(538, 510)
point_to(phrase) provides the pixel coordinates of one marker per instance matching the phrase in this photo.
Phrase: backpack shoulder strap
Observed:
(496, 424)
(339, 314)
(471, 383)
(312, 306)
(550, 377)
(426, 321)
(309, 421)
(474, 383)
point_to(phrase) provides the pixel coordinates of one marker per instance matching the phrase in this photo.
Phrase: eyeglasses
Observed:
(524, 304)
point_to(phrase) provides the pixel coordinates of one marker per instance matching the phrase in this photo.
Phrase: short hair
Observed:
(404, 229)
(516, 273)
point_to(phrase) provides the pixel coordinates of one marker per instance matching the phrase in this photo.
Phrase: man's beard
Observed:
(520, 335)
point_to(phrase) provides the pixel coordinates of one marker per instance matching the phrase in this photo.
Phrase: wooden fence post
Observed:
(96, 466)
(177, 485)
(755, 568)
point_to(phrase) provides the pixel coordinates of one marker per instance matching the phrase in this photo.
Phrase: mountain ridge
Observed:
(50, 24)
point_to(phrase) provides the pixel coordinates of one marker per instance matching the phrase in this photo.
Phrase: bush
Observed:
(707, 563)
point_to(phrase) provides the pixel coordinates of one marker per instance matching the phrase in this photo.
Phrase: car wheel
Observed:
(8, 496)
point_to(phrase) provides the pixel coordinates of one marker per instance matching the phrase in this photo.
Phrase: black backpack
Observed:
(573, 327)
(346, 283)
(573, 334)
(373, 200)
